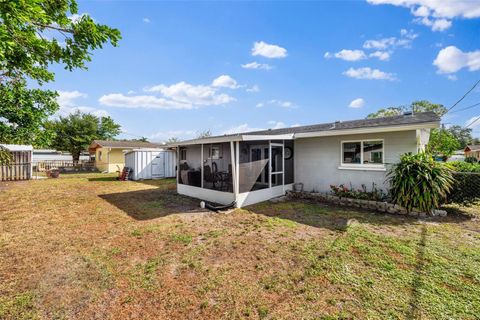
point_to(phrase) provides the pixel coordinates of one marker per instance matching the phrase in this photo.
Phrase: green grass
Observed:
(109, 249)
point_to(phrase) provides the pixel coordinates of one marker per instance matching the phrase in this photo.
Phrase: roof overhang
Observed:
(427, 125)
(240, 137)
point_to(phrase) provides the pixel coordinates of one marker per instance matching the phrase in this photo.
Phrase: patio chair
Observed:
(209, 175)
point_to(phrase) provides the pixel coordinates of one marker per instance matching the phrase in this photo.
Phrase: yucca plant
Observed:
(419, 182)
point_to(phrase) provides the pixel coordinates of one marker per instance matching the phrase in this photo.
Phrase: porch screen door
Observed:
(276, 164)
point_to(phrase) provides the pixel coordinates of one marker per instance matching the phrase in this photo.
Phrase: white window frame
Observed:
(181, 152)
(361, 165)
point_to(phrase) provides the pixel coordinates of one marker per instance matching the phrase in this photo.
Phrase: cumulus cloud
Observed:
(146, 20)
(473, 122)
(451, 59)
(381, 55)
(357, 103)
(369, 74)
(405, 41)
(162, 136)
(266, 50)
(276, 124)
(225, 81)
(68, 101)
(434, 13)
(241, 128)
(347, 55)
(256, 65)
(181, 95)
(254, 88)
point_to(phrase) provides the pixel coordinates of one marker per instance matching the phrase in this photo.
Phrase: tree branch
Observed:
(47, 26)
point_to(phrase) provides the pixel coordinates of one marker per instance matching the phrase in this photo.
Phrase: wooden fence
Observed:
(19, 169)
(42, 166)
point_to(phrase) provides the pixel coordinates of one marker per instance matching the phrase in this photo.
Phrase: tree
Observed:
(442, 143)
(462, 134)
(172, 140)
(33, 35)
(416, 106)
(75, 132)
(204, 134)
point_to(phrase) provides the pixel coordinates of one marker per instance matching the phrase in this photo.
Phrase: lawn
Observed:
(87, 246)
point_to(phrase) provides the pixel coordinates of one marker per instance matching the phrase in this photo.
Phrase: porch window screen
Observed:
(253, 170)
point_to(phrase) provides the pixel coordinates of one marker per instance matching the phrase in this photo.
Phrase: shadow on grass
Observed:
(109, 178)
(414, 310)
(151, 203)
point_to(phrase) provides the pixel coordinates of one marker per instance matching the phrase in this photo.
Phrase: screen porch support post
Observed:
(201, 166)
(178, 165)
(234, 170)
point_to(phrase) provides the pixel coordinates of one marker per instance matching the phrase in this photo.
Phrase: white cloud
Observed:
(405, 41)
(254, 88)
(451, 59)
(256, 65)
(69, 104)
(473, 120)
(260, 105)
(141, 101)
(276, 124)
(369, 74)
(146, 20)
(452, 77)
(435, 13)
(295, 125)
(282, 103)
(241, 128)
(347, 55)
(225, 81)
(76, 17)
(357, 103)
(381, 55)
(264, 49)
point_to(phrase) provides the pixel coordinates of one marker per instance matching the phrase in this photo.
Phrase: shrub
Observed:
(419, 182)
(461, 166)
(471, 160)
(344, 192)
(466, 188)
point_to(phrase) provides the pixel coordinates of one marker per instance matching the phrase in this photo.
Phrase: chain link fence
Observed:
(466, 188)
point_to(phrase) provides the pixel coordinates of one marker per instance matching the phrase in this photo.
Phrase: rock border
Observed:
(379, 206)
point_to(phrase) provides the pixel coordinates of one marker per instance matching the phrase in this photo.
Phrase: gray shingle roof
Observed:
(473, 147)
(408, 119)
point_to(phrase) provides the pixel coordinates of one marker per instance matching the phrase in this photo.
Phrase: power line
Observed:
(463, 97)
(473, 122)
(466, 108)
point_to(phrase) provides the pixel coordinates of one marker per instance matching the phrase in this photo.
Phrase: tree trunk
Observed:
(76, 156)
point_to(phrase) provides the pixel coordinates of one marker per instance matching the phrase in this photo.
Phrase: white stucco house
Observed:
(250, 167)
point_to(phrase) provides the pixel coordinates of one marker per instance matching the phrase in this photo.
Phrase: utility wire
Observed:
(466, 108)
(473, 122)
(463, 97)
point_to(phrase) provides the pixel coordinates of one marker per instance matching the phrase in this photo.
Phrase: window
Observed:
(215, 152)
(183, 154)
(100, 155)
(359, 153)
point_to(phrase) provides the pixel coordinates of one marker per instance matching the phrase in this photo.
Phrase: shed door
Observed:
(158, 166)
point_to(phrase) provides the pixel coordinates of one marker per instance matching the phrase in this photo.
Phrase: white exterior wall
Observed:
(317, 160)
(140, 161)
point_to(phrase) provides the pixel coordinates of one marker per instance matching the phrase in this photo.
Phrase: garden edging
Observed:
(380, 206)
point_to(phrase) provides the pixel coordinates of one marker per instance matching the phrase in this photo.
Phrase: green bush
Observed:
(471, 160)
(419, 182)
(461, 166)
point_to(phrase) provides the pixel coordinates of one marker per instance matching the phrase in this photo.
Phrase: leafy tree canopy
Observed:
(204, 134)
(33, 35)
(75, 132)
(462, 134)
(442, 143)
(416, 106)
(172, 140)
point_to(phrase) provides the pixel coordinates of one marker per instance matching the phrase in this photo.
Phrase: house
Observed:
(250, 167)
(473, 151)
(47, 155)
(109, 156)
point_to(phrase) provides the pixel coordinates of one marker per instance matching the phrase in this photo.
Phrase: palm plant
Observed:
(419, 182)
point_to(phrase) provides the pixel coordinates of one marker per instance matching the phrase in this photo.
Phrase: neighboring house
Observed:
(110, 155)
(256, 166)
(473, 151)
(46, 155)
(458, 155)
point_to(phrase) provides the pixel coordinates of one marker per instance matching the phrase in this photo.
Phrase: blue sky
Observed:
(185, 67)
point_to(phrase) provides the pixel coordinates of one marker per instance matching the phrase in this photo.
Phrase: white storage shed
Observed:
(151, 163)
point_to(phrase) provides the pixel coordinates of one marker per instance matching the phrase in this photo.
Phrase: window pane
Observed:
(277, 179)
(372, 152)
(351, 152)
(217, 168)
(277, 159)
(253, 170)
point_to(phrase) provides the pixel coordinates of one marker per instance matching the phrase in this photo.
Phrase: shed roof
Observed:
(124, 144)
(17, 147)
(394, 123)
(473, 147)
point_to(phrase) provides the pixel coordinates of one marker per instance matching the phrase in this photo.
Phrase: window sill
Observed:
(363, 168)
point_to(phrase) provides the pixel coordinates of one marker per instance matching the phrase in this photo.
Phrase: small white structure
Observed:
(21, 167)
(151, 163)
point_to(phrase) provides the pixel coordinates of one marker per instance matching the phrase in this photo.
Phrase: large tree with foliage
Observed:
(416, 106)
(442, 143)
(33, 35)
(75, 132)
(462, 134)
